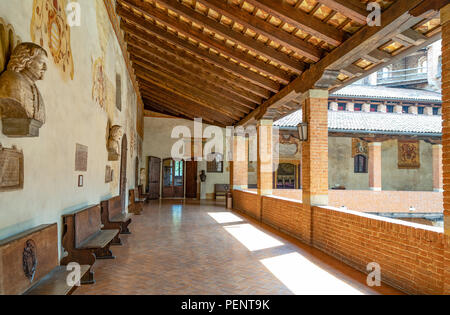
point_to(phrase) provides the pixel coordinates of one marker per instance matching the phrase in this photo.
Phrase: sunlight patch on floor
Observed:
(224, 217)
(303, 277)
(252, 238)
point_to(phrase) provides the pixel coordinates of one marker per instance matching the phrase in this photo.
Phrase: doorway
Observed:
(173, 178)
(154, 177)
(191, 179)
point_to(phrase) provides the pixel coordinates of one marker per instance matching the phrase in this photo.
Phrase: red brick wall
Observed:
(285, 215)
(377, 201)
(247, 202)
(413, 258)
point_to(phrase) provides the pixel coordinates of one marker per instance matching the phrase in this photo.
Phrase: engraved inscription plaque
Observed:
(11, 169)
(81, 158)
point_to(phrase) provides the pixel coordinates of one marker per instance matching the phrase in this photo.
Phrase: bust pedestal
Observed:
(21, 127)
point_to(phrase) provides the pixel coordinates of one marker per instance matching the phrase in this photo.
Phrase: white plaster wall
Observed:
(158, 143)
(50, 183)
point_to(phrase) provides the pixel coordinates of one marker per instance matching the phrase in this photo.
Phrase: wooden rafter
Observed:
(272, 32)
(353, 9)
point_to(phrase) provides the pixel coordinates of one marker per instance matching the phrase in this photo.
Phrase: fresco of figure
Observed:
(21, 104)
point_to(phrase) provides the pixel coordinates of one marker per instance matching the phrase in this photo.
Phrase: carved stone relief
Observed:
(11, 169)
(109, 174)
(21, 103)
(115, 134)
(29, 260)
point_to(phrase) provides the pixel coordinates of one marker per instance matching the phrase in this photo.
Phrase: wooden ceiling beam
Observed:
(396, 19)
(175, 40)
(143, 52)
(196, 109)
(155, 106)
(268, 52)
(302, 20)
(184, 28)
(152, 41)
(158, 65)
(266, 29)
(205, 101)
(173, 108)
(353, 9)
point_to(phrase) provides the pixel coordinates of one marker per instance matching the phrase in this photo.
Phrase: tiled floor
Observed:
(182, 247)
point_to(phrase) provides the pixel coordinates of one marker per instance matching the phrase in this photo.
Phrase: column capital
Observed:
(314, 93)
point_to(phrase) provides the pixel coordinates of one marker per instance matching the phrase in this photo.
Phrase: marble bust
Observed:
(115, 133)
(21, 103)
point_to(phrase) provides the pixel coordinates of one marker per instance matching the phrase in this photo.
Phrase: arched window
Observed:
(360, 163)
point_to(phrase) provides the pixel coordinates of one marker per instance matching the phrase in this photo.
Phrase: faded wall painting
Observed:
(408, 154)
(49, 29)
(8, 41)
(359, 147)
(99, 85)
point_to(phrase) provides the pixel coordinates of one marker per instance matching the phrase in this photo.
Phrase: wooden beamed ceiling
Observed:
(235, 61)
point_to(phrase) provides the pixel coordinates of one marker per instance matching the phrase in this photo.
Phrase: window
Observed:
(342, 106)
(420, 110)
(390, 108)
(214, 163)
(360, 164)
(358, 107)
(374, 108)
(435, 110)
(405, 109)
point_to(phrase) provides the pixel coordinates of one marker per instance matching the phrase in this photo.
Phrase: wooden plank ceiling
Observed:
(233, 61)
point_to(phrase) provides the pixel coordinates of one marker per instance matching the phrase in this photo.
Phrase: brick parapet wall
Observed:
(413, 258)
(377, 201)
(247, 202)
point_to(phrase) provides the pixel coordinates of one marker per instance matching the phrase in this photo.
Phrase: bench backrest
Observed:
(27, 257)
(132, 197)
(87, 222)
(114, 207)
(221, 187)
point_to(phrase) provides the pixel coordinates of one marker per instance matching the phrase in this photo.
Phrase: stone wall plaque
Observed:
(11, 169)
(109, 174)
(81, 158)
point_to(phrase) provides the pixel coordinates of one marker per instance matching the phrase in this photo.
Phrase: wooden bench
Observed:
(136, 205)
(113, 217)
(220, 190)
(142, 195)
(29, 264)
(85, 241)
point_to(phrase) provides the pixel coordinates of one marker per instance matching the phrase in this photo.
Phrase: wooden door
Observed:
(154, 175)
(173, 178)
(123, 171)
(191, 179)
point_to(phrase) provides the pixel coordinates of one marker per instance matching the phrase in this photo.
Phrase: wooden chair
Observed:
(29, 264)
(113, 217)
(85, 241)
(136, 205)
(220, 190)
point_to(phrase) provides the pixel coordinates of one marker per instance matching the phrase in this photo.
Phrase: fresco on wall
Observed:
(359, 147)
(408, 154)
(8, 41)
(99, 82)
(49, 28)
(289, 146)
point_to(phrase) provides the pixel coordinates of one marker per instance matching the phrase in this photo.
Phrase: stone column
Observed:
(314, 156)
(445, 21)
(398, 109)
(240, 162)
(350, 107)
(334, 106)
(265, 157)
(437, 168)
(365, 108)
(375, 166)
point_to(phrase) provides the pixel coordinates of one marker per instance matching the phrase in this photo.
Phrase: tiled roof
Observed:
(381, 92)
(373, 122)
